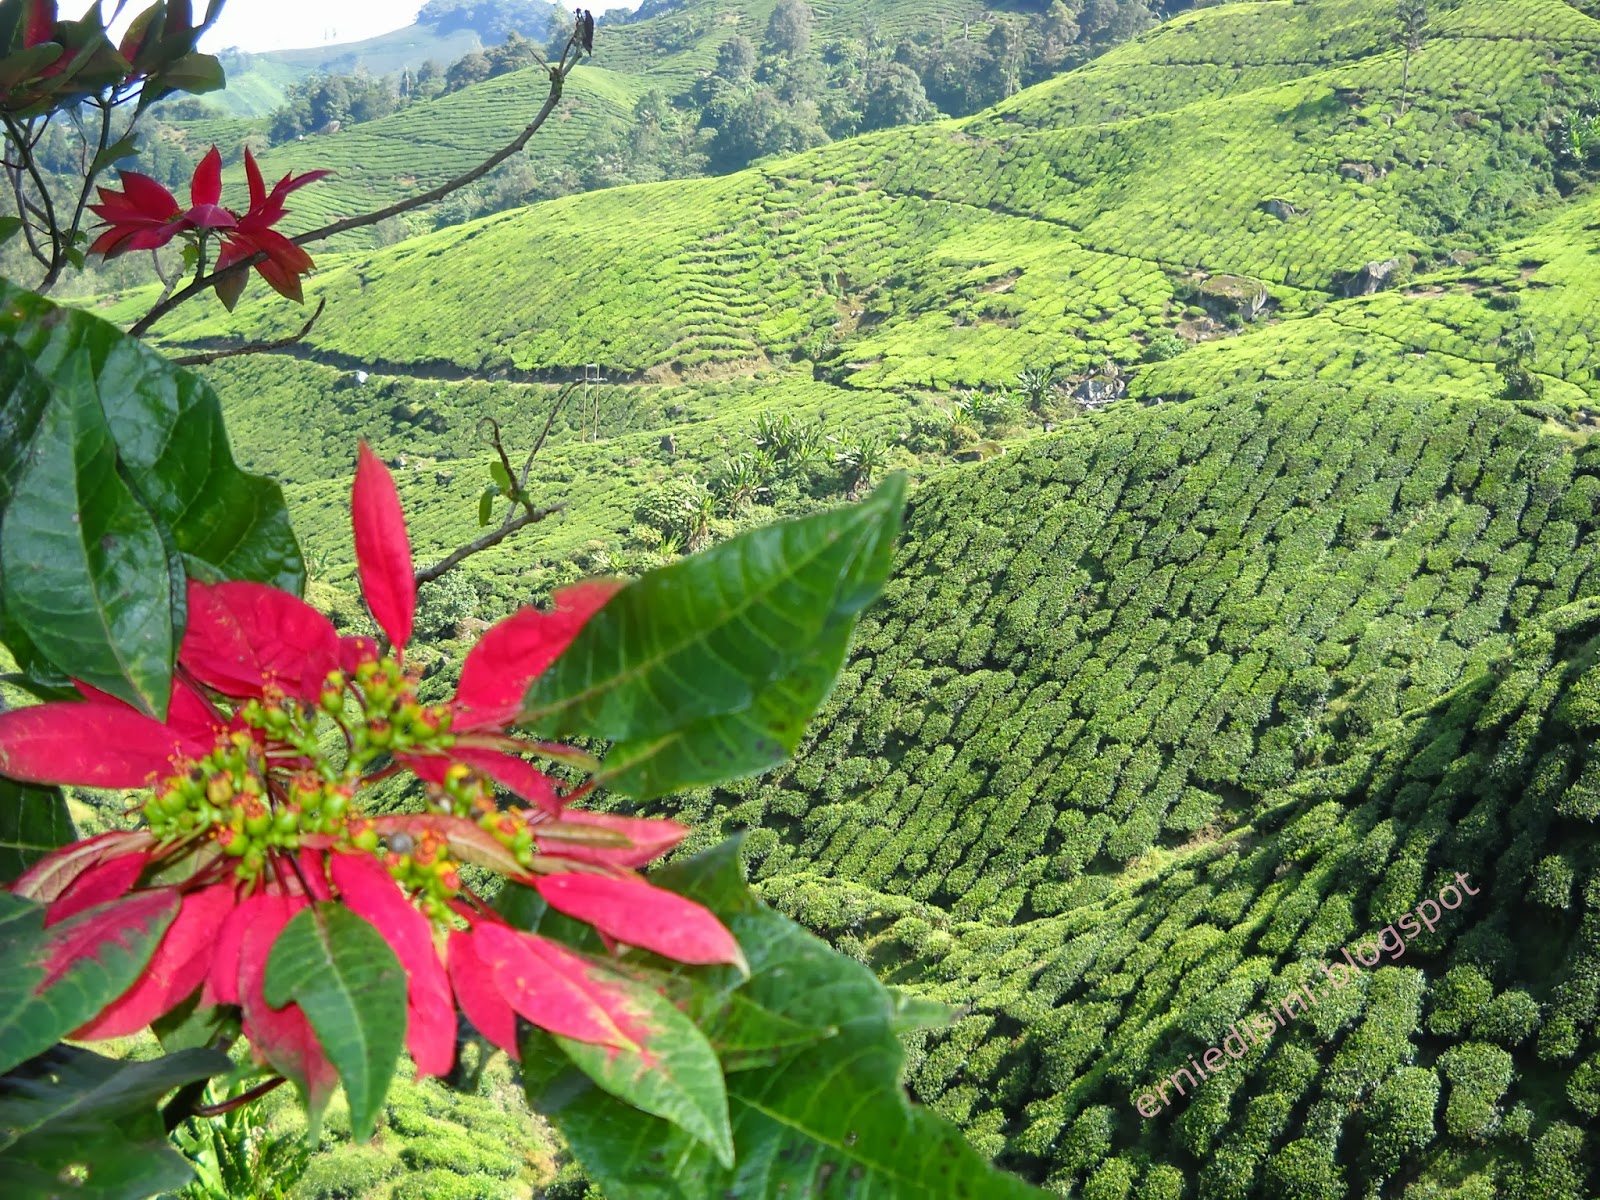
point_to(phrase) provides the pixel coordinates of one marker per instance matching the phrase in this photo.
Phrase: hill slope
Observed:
(1220, 182)
(1229, 687)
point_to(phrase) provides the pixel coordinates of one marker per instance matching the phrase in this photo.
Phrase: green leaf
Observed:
(73, 1123)
(678, 1077)
(171, 441)
(725, 747)
(116, 152)
(195, 73)
(710, 667)
(33, 822)
(189, 1026)
(30, 1023)
(486, 505)
(826, 1118)
(9, 228)
(83, 570)
(747, 1036)
(501, 477)
(350, 985)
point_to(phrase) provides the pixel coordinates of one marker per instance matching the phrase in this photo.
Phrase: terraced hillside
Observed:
(379, 162)
(1173, 708)
(1211, 191)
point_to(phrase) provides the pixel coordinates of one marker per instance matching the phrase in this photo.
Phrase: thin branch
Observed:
(514, 519)
(558, 76)
(200, 360)
(57, 258)
(239, 1101)
(561, 399)
(529, 516)
(89, 176)
(14, 174)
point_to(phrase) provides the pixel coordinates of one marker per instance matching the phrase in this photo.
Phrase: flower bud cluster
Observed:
(422, 865)
(391, 718)
(270, 781)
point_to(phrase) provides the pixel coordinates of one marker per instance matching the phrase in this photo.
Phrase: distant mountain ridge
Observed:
(444, 31)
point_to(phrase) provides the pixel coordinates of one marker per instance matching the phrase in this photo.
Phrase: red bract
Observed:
(253, 234)
(259, 819)
(144, 216)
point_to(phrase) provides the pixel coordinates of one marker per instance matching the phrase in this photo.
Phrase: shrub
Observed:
(1460, 997)
(1400, 1117)
(345, 1173)
(447, 1185)
(1113, 1181)
(442, 604)
(1479, 1075)
(1510, 1018)
(1303, 1170)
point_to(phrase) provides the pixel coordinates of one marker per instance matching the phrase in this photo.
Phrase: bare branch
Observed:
(494, 537)
(200, 360)
(558, 77)
(515, 518)
(527, 463)
(89, 176)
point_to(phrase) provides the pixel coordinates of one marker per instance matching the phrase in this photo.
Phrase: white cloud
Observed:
(295, 24)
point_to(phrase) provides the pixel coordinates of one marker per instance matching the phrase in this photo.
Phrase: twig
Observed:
(57, 258)
(514, 519)
(454, 559)
(211, 356)
(558, 76)
(561, 399)
(239, 1101)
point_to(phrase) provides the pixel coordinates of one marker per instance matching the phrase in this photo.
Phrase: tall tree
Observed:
(1413, 32)
(789, 28)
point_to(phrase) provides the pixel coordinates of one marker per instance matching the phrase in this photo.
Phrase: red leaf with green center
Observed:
(100, 884)
(651, 837)
(282, 1036)
(371, 892)
(105, 744)
(383, 549)
(554, 988)
(634, 912)
(480, 1000)
(178, 966)
(85, 935)
(52, 875)
(516, 651)
(242, 636)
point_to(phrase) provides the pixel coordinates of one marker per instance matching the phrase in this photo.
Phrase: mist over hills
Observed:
(1271, 606)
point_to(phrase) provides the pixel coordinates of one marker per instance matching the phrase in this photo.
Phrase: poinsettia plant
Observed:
(687, 1041)
(255, 817)
(144, 215)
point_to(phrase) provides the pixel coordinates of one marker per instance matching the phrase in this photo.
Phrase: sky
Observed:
(295, 24)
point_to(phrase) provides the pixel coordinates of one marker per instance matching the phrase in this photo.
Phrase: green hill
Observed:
(1169, 705)
(1241, 682)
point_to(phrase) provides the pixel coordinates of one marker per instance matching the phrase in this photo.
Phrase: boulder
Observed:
(1224, 294)
(1371, 278)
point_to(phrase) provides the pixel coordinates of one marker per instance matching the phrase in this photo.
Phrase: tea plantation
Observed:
(1243, 681)
(1172, 700)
